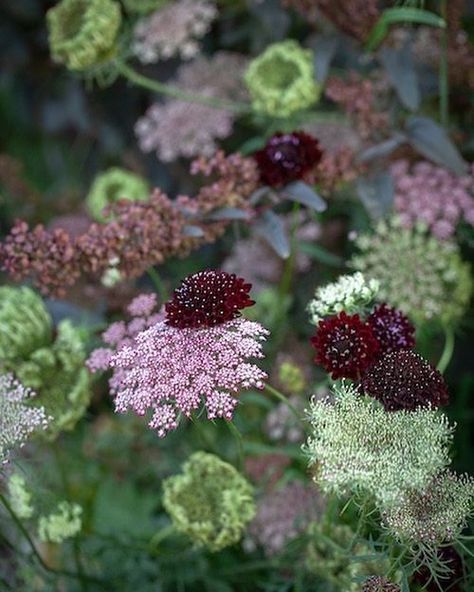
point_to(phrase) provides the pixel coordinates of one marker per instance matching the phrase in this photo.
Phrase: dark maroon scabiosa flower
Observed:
(404, 380)
(287, 157)
(379, 584)
(345, 346)
(392, 329)
(206, 299)
(449, 582)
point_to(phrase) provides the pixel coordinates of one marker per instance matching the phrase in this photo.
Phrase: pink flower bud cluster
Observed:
(434, 196)
(169, 372)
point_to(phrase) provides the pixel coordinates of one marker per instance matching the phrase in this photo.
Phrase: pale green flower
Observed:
(112, 185)
(83, 33)
(64, 523)
(25, 323)
(351, 293)
(436, 514)
(360, 448)
(20, 497)
(423, 277)
(210, 501)
(281, 80)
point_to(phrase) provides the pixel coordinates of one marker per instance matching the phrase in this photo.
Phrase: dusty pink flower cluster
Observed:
(434, 196)
(177, 128)
(173, 30)
(172, 372)
(357, 96)
(282, 515)
(138, 235)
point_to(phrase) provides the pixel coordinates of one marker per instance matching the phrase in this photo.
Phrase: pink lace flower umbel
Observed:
(169, 371)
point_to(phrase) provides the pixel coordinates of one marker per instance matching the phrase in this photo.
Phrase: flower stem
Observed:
(443, 70)
(240, 447)
(177, 93)
(37, 554)
(283, 399)
(161, 535)
(158, 283)
(448, 349)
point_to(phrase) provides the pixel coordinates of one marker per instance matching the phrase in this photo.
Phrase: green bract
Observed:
(210, 501)
(362, 449)
(83, 33)
(425, 278)
(24, 321)
(52, 366)
(112, 185)
(281, 79)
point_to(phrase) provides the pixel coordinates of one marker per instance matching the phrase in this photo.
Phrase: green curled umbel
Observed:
(114, 184)
(83, 33)
(57, 374)
(143, 6)
(281, 80)
(417, 273)
(24, 321)
(210, 501)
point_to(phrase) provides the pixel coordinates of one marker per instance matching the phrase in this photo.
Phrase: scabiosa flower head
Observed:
(435, 514)
(64, 523)
(282, 515)
(17, 419)
(418, 274)
(345, 346)
(404, 380)
(83, 33)
(434, 196)
(392, 329)
(173, 30)
(361, 448)
(281, 79)
(287, 157)
(25, 322)
(379, 584)
(210, 501)
(112, 185)
(350, 293)
(206, 299)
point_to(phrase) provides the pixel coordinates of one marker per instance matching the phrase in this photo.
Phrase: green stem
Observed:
(161, 535)
(447, 351)
(443, 70)
(240, 447)
(158, 283)
(34, 550)
(281, 397)
(177, 93)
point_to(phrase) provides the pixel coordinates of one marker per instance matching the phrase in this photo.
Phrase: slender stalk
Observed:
(177, 93)
(158, 283)
(161, 535)
(443, 70)
(448, 349)
(281, 397)
(36, 553)
(240, 447)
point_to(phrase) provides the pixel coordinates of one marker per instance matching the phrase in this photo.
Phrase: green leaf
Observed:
(228, 214)
(304, 194)
(401, 15)
(272, 230)
(432, 141)
(320, 254)
(400, 68)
